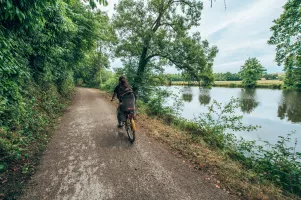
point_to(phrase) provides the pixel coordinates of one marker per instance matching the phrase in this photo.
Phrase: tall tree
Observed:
(287, 39)
(250, 72)
(156, 33)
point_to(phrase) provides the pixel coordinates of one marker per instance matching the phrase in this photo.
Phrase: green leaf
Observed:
(2, 167)
(6, 15)
(19, 14)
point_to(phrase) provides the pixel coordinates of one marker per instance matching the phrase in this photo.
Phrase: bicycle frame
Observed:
(130, 126)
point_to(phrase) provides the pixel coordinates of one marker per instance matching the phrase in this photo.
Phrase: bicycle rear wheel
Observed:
(131, 129)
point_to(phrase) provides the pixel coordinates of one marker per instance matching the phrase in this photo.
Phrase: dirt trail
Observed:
(88, 158)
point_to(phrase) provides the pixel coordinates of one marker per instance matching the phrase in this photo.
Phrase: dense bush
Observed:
(276, 163)
(108, 80)
(44, 45)
(273, 163)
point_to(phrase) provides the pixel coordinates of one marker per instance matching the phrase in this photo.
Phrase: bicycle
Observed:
(130, 126)
(127, 107)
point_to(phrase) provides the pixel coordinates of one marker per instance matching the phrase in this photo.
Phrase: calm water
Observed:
(277, 112)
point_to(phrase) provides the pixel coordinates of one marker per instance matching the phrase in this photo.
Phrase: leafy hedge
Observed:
(44, 45)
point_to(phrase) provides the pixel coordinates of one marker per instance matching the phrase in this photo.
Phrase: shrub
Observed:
(275, 163)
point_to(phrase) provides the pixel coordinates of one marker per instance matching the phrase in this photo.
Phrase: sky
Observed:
(241, 31)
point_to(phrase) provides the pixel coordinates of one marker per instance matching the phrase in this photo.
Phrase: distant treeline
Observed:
(228, 76)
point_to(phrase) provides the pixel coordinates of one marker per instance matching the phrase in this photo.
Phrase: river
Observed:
(277, 112)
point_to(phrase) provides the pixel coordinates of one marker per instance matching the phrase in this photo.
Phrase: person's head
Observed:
(123, 81)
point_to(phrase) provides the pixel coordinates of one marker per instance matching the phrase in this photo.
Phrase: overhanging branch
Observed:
(224, 4)
(151, 56)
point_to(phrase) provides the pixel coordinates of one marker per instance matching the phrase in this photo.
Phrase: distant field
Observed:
(267, 83)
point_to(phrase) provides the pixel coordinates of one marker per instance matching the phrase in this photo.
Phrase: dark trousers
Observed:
(120, 115)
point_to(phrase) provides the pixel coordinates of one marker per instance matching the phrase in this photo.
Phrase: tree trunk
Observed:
(140, 72)
(143, 58)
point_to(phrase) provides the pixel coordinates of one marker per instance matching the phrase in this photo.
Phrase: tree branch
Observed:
(151, 56)
(224, 4)
(168, 24)
(157, 23)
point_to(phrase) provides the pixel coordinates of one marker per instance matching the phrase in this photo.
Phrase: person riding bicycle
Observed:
(121, 89)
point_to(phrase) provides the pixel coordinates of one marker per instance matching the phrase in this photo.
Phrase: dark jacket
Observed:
(120, 90)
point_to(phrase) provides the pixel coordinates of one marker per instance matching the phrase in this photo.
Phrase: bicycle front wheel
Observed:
(131, 129)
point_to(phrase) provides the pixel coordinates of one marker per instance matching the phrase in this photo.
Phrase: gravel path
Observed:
(89, 158)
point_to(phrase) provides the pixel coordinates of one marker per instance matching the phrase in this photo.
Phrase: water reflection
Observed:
(248, 100)
(187, 97)
(187, 94)
(290, 106)
(263, 105)
(204, 97)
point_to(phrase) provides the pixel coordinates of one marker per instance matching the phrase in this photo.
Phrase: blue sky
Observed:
(241, 31)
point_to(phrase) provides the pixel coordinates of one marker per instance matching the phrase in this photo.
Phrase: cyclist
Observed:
(122, 88)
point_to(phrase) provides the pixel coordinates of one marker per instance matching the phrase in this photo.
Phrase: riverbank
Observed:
(276, 84)
(222, 167)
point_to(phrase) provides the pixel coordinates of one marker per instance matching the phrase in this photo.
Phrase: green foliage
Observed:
(286, 38)
(93, 2)
(174, 77)
(46, 55)
(250, 72)
(286, 32)
(271, 76)
(278, 163)
(109, 81)
(155, 34)
(44, 45)
(156, 104)
(23, 14)
(292, 68)
(219, 120)
(228, 76)
(151, 78)
(101, 36)
(67, 85)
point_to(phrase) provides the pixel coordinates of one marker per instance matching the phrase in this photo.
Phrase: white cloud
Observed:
(241, 32)
(266, 60)
(256, 44)
(229, 67)
(249, 12)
